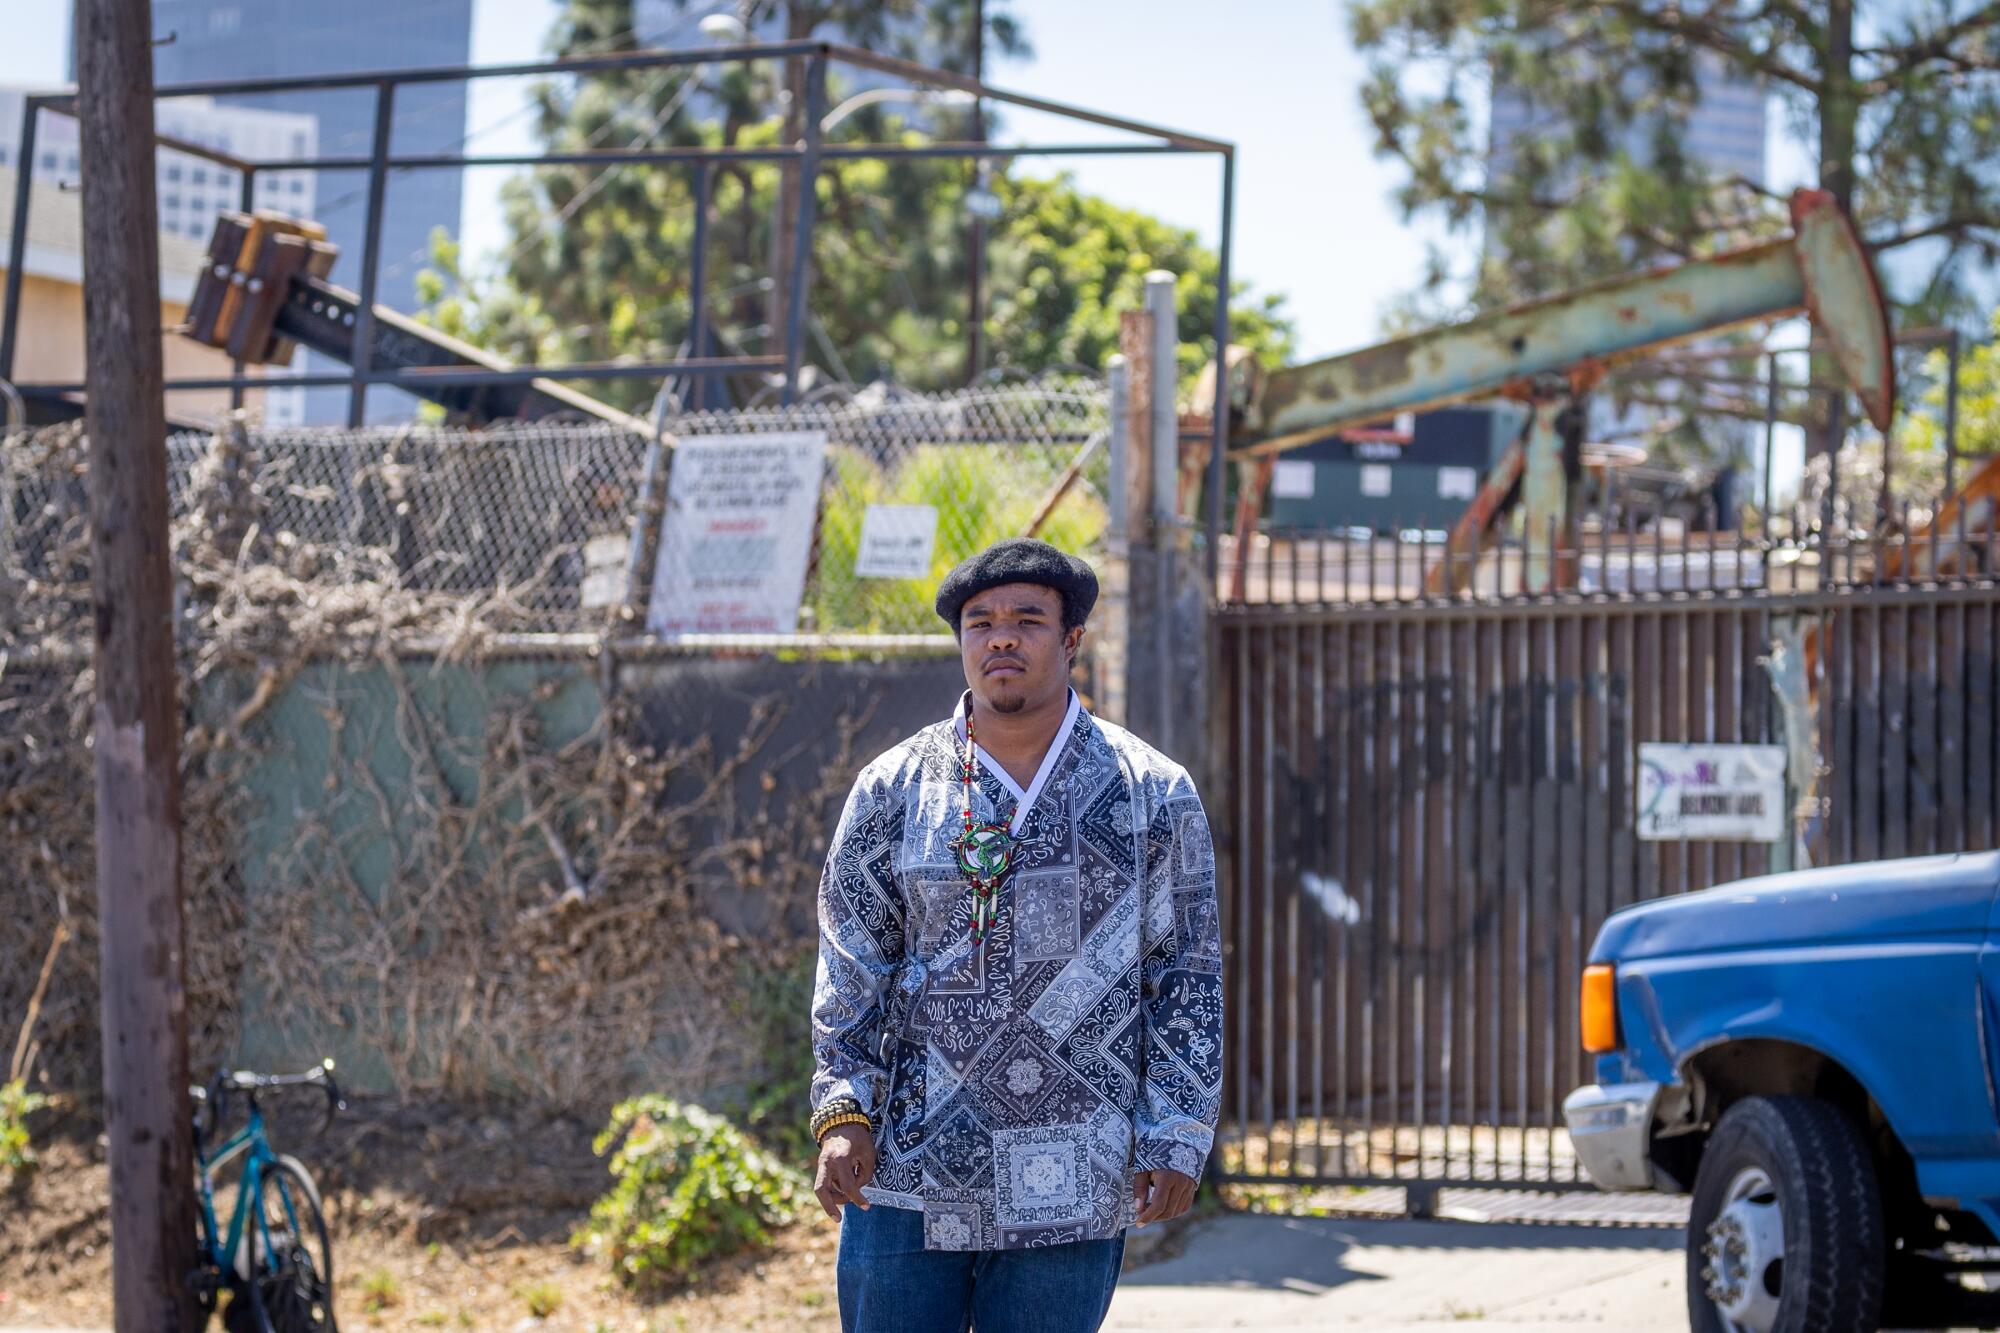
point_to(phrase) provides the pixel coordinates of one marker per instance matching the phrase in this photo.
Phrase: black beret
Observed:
(1019, 560)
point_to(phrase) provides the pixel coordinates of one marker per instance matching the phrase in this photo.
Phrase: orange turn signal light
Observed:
(1600, 1009)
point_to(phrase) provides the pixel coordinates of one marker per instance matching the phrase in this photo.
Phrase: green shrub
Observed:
(687, 1187)
(17, 1149)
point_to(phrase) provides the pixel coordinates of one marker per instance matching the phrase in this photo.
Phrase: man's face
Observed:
(1014, 649)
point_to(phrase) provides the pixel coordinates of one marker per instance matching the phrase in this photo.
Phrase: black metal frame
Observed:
(810, 154)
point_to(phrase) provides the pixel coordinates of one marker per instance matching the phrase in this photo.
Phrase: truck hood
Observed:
(1923, 897)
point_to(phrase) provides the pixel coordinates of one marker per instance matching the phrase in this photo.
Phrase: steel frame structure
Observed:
(810, 153)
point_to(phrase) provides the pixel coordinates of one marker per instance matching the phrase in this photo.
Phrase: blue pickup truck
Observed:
(1813, 1056)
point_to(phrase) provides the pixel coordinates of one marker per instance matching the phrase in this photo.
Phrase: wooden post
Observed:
(137, 719)
(1135, 342)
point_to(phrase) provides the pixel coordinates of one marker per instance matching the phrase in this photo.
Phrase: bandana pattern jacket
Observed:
(1016, 1088)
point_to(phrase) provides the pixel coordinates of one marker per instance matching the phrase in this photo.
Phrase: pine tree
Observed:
(1900, 104)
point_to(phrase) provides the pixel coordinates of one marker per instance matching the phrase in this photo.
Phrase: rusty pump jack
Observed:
(262, 292)
(1550, 353)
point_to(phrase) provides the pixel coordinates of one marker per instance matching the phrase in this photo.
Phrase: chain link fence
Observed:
(508, 514)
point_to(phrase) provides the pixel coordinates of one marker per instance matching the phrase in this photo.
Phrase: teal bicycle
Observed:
(275, 1260)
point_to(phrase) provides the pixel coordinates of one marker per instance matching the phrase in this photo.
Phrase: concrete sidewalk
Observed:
(1264, 1272)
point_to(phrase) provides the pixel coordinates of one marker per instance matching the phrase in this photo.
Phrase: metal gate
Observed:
(1427, 811)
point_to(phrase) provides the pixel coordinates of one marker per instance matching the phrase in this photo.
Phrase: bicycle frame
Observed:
(250, 1143)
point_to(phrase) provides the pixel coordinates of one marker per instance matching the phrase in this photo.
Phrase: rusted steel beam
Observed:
(1822, 268)
(1469, 533)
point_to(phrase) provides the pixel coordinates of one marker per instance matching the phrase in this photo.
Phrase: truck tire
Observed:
(1785, 1234)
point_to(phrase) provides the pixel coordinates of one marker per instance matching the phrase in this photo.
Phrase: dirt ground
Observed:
(439, 1220)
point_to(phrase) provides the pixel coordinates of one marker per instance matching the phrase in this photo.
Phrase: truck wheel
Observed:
(1785, 1234)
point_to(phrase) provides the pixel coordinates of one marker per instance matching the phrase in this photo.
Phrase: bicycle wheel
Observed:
(291, 1258)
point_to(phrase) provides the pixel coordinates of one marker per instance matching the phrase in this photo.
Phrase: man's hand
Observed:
(846, 1163)
(1161, 1195)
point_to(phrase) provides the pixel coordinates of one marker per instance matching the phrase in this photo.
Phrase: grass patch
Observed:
(380, 1291)
(542, 1299)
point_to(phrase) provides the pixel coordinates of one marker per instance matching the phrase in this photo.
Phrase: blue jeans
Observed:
(889, 1283)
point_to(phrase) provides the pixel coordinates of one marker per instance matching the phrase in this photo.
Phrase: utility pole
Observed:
(137, 719)
(975, 243)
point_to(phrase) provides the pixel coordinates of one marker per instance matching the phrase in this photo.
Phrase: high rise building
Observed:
(254, 39)
(1724, 131)
(191, 190)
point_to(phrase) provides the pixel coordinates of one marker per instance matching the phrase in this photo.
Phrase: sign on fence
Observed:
(1730, 793)
(736, 533)
(604, 570)
(896, 542)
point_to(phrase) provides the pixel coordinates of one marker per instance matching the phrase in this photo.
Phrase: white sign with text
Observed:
(897, 542)
(736, 533)
(1723, 793)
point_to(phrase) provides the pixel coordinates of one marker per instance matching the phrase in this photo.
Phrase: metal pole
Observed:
(1166, 420)
(1118, 381)
(1770, 426)
(17, 241)
(975, 243)
(136, 722)
(247, 201)
(795, 295)
(698, 285)
(1220, 423)
(1951, 412)
(1166, 538)
(362, 359)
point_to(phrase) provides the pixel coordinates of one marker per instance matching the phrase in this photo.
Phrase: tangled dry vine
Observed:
(494, 908)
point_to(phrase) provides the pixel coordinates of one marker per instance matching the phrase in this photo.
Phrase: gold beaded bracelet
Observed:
(845, 1118)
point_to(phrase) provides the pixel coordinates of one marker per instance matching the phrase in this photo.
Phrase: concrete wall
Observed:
(763, 752)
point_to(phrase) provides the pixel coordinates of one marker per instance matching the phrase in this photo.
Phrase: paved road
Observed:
(1263, 1272)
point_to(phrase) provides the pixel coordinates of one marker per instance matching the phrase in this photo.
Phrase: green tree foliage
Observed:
(1920, 436)
(597, 264)
(1900, 103)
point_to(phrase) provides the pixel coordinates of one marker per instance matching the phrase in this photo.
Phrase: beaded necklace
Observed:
(984, 850)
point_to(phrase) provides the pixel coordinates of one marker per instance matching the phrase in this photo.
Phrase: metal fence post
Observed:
(1118, 382)
(1219, 426)
(17, 242)
(1166, 418)
(1951, 412)
(246, 200)
(801, 257)
(698, 288)
(1111, 638)
(362, 358)
(1165, 540)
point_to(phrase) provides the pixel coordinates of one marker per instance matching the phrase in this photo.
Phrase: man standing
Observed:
(1017, 1020)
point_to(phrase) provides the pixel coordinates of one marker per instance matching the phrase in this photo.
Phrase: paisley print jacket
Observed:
(1015, 1088)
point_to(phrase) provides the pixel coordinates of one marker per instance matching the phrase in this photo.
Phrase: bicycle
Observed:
(276, 1260)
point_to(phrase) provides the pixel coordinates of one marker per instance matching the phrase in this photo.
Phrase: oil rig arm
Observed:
(1821, 268)
(1549, 353)
(263, 292)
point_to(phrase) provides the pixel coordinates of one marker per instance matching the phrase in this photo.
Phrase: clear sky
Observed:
(1278, 78)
